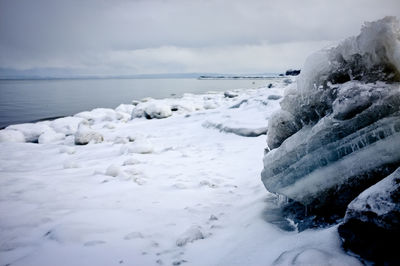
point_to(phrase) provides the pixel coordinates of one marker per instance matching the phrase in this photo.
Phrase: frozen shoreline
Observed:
(155, 192)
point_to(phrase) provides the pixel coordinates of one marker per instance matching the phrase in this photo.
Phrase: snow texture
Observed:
(8, 135)
(195, 199)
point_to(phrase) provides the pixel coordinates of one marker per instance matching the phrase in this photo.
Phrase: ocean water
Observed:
(31, 100)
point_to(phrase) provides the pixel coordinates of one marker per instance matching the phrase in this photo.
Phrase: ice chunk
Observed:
(157, 110)
(280, 126)
(66, 125)
(125, 108)
(338, 130)
(86, 135)
(100, 115)
(372, 222)
(192, 234)
(31, 131)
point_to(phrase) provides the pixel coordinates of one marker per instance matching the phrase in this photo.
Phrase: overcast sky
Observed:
(174, 36)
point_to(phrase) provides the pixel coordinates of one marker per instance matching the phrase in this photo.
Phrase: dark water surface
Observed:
(30, 100)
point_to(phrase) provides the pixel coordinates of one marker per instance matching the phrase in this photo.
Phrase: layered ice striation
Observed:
(338, 130)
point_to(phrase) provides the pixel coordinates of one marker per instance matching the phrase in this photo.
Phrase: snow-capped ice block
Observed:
(338, 131)
(152, 109)
(190, 235)
(102, 115)
(86, 135)
(125, 108)
(31, 131)
(8, 135)
(372, 222)
(66, 125)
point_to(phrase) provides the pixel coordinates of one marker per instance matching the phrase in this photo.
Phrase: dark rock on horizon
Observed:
(292, 72)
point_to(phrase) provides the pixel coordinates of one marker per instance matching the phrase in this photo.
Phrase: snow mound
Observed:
(50, 136)
(8, 135)
(152, 109)
(190, 235)
(66, 125)
(125, 108)
(86, 135)
(31, 131)
(113, 170)
(157, 111)
(103, 115)
(142, 146)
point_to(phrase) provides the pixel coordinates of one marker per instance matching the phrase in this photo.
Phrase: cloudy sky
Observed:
(176, 36)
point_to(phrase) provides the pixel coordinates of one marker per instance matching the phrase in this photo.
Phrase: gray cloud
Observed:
(162, 36)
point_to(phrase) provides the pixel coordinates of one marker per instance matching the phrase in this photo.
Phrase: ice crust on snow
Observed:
(338, 130)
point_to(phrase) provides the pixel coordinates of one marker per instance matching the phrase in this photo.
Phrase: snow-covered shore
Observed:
(185, 189)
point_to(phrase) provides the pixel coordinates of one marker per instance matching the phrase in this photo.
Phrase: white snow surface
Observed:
(155, 192)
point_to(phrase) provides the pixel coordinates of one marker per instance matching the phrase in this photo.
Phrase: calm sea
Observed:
(31, 100)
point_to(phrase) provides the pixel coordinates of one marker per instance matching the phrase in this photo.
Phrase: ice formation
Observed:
(372, 222)
(86, 135)
(339, 129)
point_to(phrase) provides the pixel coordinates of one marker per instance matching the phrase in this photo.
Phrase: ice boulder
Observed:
(31, 131)
(125, 108)
(152, 109)
(192, 234)
(86, 135)
(66, 125)
(372, 223)
(102, 115)
(8, 135)
(338, 130)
